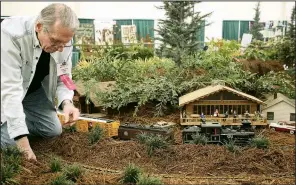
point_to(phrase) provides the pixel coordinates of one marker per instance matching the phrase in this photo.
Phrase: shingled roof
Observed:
(204, 92)
(280, 98)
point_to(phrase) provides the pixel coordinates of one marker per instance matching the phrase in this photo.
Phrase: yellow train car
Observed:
(86, 123)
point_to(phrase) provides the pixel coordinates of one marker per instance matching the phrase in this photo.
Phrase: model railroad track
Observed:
(173, 176)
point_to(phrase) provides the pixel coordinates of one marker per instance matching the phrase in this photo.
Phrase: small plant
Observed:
(73, 172)
(131, 174)
(230, 145)
(260, 142)
(70, 129)
(55, 164)
(95, 135)
(61, 180)
(11, 159)
(199, 139)
(146, 180)
(155, 142)
(142, 138)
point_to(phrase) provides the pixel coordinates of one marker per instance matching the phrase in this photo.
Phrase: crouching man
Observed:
(35, 67)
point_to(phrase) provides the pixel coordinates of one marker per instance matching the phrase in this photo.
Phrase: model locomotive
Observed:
(215, 133)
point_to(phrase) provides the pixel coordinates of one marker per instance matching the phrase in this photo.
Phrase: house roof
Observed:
(204, 92)
(96, 87)
(280, 98)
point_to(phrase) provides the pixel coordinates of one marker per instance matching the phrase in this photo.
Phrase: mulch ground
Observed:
(178, 164)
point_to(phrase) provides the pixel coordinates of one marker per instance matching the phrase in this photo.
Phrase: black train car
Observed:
(129, 131)
(216, 134)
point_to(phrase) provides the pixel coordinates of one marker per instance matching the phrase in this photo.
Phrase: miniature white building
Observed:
(279, 108)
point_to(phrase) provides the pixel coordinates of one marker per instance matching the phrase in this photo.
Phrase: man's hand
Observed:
(71, 113)
(24, 146)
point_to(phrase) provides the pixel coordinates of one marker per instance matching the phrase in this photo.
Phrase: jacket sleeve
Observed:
(12, 86)
(63, 93)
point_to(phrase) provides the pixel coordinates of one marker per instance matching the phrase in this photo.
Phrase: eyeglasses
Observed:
(56, 43)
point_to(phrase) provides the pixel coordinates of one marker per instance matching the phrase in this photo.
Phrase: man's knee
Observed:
(54, 131)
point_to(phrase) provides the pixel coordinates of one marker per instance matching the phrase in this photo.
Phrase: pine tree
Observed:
(179, 30)
(292, 25)
(257, 27)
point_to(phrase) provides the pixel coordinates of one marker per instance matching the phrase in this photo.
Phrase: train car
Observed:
(86, 122)
(130, 131)
(216, 134)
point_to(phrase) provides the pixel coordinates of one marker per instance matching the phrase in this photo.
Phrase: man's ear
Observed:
(38, 27)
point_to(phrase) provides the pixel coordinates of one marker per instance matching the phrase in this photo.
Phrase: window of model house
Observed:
(208, 110)
(292, 116)
(199, 109)
(194, 109)
(221, 109)
(270, 116)
(204, 109)
(248, 109)
(239, 110)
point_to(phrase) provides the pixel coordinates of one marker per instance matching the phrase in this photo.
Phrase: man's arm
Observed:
(12, 92)
(12, 86)
(65, 95)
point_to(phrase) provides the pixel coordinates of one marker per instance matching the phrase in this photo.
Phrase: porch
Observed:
(196, 120)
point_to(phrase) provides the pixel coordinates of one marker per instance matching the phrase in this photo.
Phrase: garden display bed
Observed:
(179, 164)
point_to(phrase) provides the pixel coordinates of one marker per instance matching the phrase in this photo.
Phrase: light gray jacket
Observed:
(20, 52)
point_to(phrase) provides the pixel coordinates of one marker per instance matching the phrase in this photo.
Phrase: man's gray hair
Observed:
(58, 12)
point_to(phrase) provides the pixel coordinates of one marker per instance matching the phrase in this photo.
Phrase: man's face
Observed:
(55, 38)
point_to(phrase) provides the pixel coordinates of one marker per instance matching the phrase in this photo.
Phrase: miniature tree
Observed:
(257, 27)
(179, 30)
(292, 27)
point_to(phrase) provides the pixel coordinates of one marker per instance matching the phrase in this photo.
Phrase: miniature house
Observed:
(221, 104)
(87, 101)
(279, 108)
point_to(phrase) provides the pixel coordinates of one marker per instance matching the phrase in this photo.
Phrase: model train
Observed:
(86, 122)
(129, 131)
(215, 133)
(125, 131)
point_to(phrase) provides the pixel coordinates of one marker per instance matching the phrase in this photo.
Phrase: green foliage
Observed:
(61, 180)
(152, 142)
(285, 48)
(292, 27)
(225, 48)
(131, 174)
(257, 27)
(199, 139)
(178, 36)
(281, 49)
(11, 159)
(260, 142)
(95, 135)
(147, 180)
(55, 164)
(269, 83)
(230, 145)
(143, 137)
(70, 129)
(154, 80)
(257, 50)
(160, 81)
(73, 172)
(133, 52)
